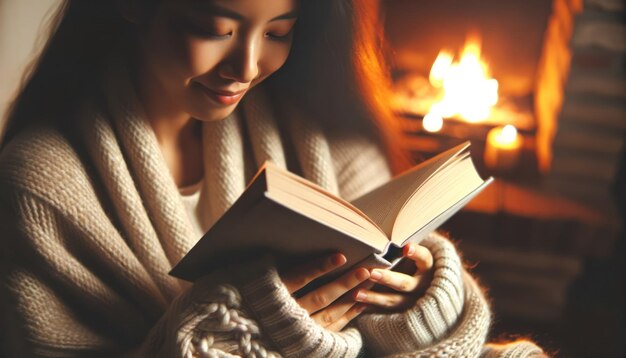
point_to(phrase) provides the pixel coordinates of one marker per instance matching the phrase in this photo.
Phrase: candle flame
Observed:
(432, 123)
(503, 147)
(506, 137)
(468, 92)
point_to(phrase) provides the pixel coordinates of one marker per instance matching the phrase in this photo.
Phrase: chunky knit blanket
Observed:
(91, 228)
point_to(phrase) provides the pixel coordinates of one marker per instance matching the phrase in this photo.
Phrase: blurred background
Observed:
(539, 88)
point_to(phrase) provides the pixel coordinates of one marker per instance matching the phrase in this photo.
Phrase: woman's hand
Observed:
(403, 289)
(328, 305)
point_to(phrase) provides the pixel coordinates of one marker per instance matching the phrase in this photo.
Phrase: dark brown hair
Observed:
(336, 57)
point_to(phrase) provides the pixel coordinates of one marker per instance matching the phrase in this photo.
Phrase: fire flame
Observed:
(467, 91)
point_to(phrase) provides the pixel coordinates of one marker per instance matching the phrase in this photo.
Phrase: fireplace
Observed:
(557, 127)
(558, 69)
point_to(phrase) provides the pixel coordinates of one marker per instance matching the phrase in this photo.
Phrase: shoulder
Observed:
(41, 161)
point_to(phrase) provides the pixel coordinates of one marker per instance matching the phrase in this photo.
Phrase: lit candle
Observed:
(503, 147)
(432, 123)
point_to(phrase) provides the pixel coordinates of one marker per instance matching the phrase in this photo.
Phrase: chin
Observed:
(213, 114)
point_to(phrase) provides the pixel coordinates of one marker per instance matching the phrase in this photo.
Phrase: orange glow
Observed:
(506, 137)
(503, 147)
(432, 123)
(440, 68)
(467, 91)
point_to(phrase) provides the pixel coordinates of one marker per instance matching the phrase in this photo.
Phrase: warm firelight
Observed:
(467, 91)
(506, 137)
(503, 148)
(432, 123)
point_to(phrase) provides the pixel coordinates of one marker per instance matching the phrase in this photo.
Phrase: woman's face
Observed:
(201, 56)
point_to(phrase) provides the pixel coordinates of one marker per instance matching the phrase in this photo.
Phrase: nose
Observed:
(243, 63)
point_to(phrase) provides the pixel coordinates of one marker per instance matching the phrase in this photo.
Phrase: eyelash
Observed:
(199, 31)
(284, 37)
(211, 35)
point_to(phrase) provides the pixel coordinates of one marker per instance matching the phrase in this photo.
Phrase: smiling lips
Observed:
(224, 97)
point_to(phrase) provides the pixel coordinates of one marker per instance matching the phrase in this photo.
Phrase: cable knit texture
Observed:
(517, 349)
(90, 230)
(435, 314)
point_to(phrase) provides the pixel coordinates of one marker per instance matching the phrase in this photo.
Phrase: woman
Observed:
(139, 126)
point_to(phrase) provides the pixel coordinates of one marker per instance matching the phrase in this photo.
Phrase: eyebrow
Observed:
(224, 12)
(286, 16)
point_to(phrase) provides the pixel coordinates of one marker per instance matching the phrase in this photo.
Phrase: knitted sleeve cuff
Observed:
(244, 310)
(431, 318)
(519, 349)
(287, 325)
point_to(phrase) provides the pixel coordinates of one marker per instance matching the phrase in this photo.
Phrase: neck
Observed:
(178, 134)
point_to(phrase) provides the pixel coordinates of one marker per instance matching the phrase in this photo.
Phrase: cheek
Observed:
(273, 58)
(202, 56)
(180, 57)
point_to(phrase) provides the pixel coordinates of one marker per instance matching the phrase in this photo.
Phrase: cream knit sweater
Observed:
(91, 229)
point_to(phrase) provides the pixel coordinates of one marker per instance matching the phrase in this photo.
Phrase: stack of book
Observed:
(589, 141)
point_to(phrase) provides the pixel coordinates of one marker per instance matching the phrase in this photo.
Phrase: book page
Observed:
(312, 201)
(262, 226)
(384, 203)
(441, 192)
(273, 169)
(423, 231)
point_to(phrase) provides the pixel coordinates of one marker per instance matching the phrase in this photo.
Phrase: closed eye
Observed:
(208, 33)
(281, 29)
(279, 36)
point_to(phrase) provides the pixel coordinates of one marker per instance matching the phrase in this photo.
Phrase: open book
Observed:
(289, 216)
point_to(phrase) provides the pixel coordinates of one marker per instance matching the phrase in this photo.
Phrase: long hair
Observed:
(336, 70)
(335, 63)
(65, 71)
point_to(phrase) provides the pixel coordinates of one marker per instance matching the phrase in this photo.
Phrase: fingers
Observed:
(352, 313)
(420, 255)
(402, 282)
(339, 313)
(325, 295)
(395, 280)
(300, 276)
(406, 288)
(384, 300)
